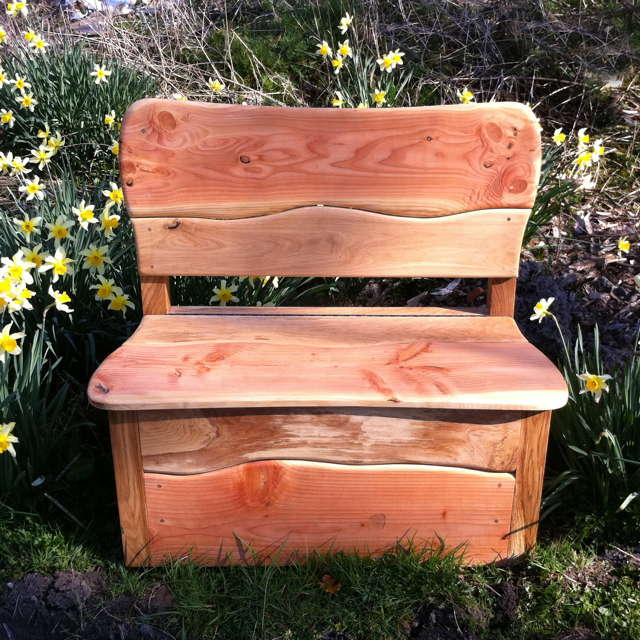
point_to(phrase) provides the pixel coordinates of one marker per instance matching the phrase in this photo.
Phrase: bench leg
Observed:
(529, 478)
(127, 464)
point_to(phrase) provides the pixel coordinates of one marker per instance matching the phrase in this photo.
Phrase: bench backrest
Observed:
(217, 189)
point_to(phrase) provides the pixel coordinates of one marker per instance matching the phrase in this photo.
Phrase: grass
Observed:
(561, 587)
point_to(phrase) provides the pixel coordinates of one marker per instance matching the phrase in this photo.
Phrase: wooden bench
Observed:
(260, 434)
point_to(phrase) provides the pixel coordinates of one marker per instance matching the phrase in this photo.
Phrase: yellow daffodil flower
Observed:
(18, 165)
(4, 79)
(386, 63)
(28, 225)
(114, 195)
(110, 119)
(104, 290)
(379, 97)
(29, 35)
(9, 342)
(584, 159)
(41, 156)
(100, 73)
(583, 139)
(5, 162)
(3, 36)
(397, 56)
(344, 49)
(18, 269)
(345, 22)
(338, 101)
(179, 97)
(33, 255)
(27, 101)
(96, 258)
(115, 148)
(60, 299)
(224, 293)
(59, 230)
(38, 44)
(109, 222)
(594, 384)
(59, 263)
(7, 117)
(20, 300)
(215, 85)
(362, 105)
(44, 134)
(15, 8)
(465, 96)
(624, 245)
(324, 49)
(559, 137)
(120, 301)
(33, 189)
(337, 63)
(55, 142)
(20, 83)
(598, 149)
(541, 309)
(85, 214)
(7, 439)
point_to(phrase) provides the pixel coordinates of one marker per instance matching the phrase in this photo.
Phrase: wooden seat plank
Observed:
(179, 362)
(281, 510)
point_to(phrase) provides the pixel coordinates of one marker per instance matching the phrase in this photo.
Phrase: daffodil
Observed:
(41, 156)
(397, 56)
(95, 258)
(583, 139)
(114, 195)
(337, 63)
(115, 148)
(179, 96)
(344, 49)
(39, 44)
(338, 101)
(55, 142)
(465, 96)
(29, 35)
(59, 263)
(215, 85)
(4, 79)
(59, 230)
(60, 299)
(20, 299)
(44, 134)
(345, 22)
(104, 290)
(18, 269)
(3, 36)
(5, 162)
(15, 8)
(584, 159)
(594, 384)
(624, 245)
(324, 49)
(386, 63)
(27, 101)
(541, 309)
(100, 73)
(362, 105)
(85, 214)
(224, 293)
(7, 117)
(33, 255)
(18, 165)
(110, 119)
(598, 149)
(109, 222)
(379, 97)
(33, 189)
(28, 225)
(120, 301)
(9, 342)
(559, 137)
(20, 83)
(7, 439)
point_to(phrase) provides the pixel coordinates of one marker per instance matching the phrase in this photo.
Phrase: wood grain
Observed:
(501, 299)
(200, 440)
(456, 362)
(191, 159)
(284, 509)
(327, 311)
(127, 463)
(155, 294)
(529, 480)
(330, 241)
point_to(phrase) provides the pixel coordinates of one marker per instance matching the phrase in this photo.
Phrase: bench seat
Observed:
(289, 357)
